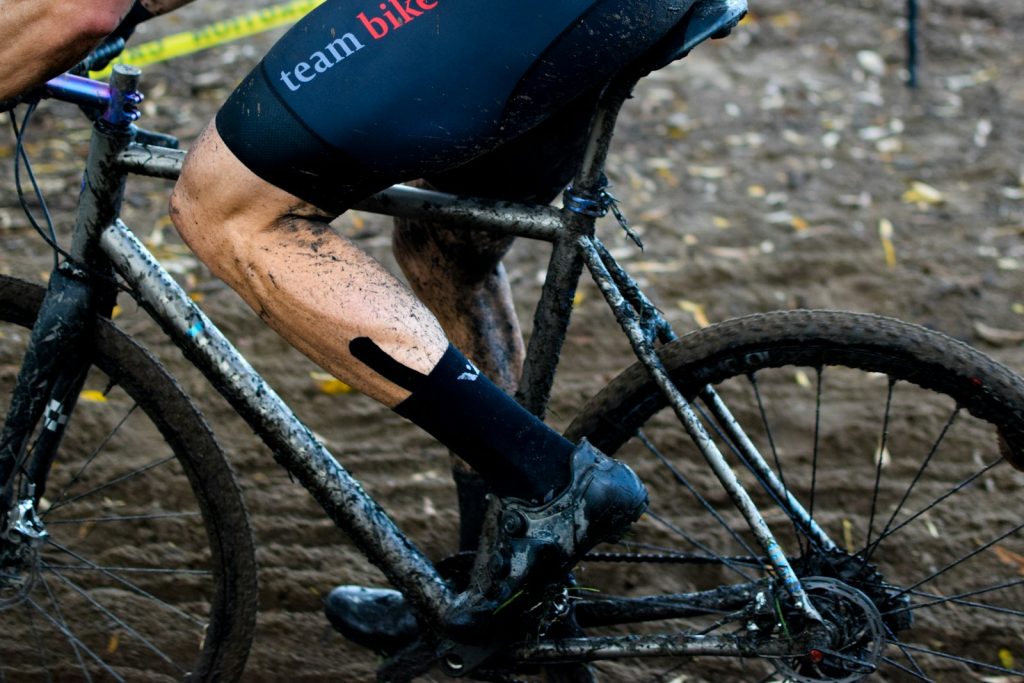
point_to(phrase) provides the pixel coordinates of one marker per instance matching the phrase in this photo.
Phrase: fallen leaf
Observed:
(885, 231)
(1008, 557)
(696, 310)
(848, 536)
(872, 62)
(330, 385)
(92, 396)
(882, 457)
(655, 266)
(742, 254)
(923, 194)
(785, 19)
(998, 337)
(708, 172)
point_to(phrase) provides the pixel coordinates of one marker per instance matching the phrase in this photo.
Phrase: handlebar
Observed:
(117, 104)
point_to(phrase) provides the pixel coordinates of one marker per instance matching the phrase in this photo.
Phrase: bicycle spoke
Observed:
(128, 570)
(953, 491)
(124, 518)
(883, 443)
(959, 600)
(892, 640)
(120, 622)
(736, 450)
(960, 561)
(917, 477)
(819, 388)
(44, 660)
(128, 584)
(92, 456)
(896, 665)
(681, 479)
(752, 379)
(712, 555)
(76, 643)
(63, 628)
(112, 482)
(963, 660)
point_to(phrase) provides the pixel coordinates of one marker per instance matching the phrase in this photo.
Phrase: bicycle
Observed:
(779, 577)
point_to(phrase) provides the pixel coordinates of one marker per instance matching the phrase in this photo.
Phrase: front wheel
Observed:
(902, 445)
(146, 569)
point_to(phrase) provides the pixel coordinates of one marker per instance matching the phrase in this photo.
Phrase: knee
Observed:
(191, 208)
(204, 205)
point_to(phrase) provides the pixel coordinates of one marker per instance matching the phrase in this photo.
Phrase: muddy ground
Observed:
(787, 166)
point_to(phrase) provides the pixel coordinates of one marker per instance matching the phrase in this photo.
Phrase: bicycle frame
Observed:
(101, 241)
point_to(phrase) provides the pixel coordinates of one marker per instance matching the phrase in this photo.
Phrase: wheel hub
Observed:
(857, 636)
(857, 572)
(20, 539)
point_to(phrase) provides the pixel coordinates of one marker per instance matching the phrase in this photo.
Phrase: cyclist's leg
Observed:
(258, 192)
(314, 287)
(343, 310)
(458, 272)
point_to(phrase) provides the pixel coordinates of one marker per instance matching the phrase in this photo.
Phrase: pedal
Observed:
(551, 613)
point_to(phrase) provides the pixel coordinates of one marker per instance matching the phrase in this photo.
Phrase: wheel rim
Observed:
(924, 497)
(124, 580)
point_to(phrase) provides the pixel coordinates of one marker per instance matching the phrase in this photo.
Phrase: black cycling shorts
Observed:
(480, 97)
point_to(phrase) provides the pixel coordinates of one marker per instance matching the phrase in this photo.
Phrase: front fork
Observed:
(60, 349)
(46, 391)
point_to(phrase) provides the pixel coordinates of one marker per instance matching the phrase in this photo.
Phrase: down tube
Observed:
(293, 444)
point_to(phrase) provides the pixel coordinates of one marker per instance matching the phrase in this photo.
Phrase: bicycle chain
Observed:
(665, 558)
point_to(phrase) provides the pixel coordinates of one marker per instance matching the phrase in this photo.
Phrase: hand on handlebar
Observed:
(113, 45)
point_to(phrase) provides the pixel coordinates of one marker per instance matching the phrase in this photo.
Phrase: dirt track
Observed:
(759, 171)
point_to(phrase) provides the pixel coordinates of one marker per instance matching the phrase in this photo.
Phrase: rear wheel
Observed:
(147, 568)
(902, 444)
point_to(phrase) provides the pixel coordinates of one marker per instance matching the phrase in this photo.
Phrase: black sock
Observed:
(515, 453)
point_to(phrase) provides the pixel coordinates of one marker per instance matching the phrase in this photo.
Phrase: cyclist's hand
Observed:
(136, 15)
(113, 45)
(32, 95)
(98, 59)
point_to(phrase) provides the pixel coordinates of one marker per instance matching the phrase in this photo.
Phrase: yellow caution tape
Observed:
(217, 33)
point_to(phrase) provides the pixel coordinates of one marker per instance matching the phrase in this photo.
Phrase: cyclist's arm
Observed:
(40, 39)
